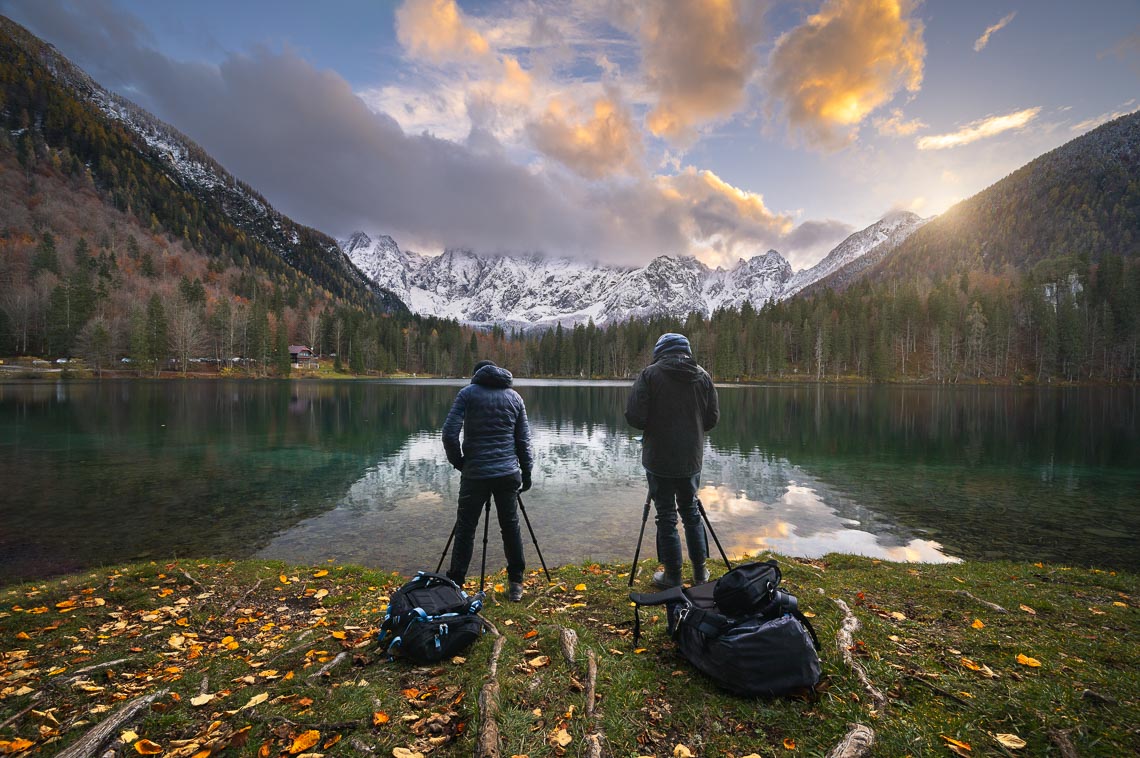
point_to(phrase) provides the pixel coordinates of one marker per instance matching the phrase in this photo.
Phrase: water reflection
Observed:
(108, 472)
(589, 488)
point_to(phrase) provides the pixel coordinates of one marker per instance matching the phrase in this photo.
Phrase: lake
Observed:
(102, 473)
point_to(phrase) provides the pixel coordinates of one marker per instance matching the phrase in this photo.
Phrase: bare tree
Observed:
(187, 332)
(313, 331)
(18, 303)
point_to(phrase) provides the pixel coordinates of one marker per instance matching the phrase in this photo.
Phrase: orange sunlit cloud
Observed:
(606, 143)
(976, 130)
(844, 62)
(697, 58)
(436, 30)
(724, 222)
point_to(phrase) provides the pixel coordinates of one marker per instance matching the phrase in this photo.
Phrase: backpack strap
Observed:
(807, 625)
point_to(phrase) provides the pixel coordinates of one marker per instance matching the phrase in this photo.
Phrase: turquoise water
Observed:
(103, 473)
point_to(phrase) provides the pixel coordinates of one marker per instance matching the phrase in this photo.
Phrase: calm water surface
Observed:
(103, 473)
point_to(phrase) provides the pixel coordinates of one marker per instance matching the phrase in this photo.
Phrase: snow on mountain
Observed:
(882, 237)
(533, 291)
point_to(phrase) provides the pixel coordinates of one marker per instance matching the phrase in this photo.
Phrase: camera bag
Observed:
(431, 618)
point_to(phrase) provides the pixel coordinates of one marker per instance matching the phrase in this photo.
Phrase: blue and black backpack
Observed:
(431, 618)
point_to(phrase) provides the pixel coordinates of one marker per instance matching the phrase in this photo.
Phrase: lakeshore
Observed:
(265, 658)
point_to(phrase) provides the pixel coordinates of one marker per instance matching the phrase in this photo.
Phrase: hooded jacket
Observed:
(675, 402)
(496, 435)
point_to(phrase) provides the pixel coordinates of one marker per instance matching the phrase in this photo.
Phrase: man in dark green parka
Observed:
(675, 403)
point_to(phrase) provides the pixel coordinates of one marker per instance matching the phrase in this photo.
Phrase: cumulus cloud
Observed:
(697, 59)
(605, 143)
(436, 30)
(320, 154)
(984, 40)
(830, 73)
(896, 125)
(726, 221)
(976, 130)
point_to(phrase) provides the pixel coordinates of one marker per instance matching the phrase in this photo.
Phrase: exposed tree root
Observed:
(1060, 738)
(860, 738)
(89, 744)
(992, 606)
(488, 742)
(845, 641)
(88, 669)
(339, 659)
(855, 744)
(16, 717)
(568, 640)
(591, 682)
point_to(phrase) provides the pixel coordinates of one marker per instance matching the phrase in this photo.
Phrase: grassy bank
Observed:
(236, 649)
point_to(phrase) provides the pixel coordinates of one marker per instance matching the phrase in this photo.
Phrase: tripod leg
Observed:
(534, 539)
(640, 536)
(705, 516)
(486, 524)
(445, 549)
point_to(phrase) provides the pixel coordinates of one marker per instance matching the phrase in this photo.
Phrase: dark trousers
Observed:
(673, 496)
(473, 495)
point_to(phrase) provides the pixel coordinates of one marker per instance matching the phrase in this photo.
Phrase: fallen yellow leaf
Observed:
(146, 747)
(1027, 609)
(971, 665)
(898, 616)
(255, 700)
(17, 745)
(1025, 660)
(283, 579)
(319, 574)
(639, 651)
(201, 700)
(128, 737)
(1011, 741)
(322, 592)
(978, 624)
(579, 588)
(789, 743)
(561, 738)
(682, 751)
(531, 634)
(403, 752)
(539, 662)
(956, 743)
(304, 741)
(380, 718)
(499, 588)
(339, 635)
(458, 660)
(1117, 603)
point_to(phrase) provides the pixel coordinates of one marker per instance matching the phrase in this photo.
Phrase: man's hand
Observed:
(458, 464)
(526, 481)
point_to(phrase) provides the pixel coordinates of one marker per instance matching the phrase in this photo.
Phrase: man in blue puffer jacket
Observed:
(495, 459)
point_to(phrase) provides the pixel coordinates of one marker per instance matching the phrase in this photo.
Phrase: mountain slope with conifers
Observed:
(1081, 199)
(55, 114)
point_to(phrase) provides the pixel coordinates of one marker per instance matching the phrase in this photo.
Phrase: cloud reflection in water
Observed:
(587, 505)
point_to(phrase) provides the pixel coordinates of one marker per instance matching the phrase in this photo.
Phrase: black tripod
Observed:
(486, 527)
(641, 535)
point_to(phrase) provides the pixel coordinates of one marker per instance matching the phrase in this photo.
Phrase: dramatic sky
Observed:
(614, 130)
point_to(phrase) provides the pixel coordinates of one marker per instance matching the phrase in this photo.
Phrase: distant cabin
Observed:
(303, 357)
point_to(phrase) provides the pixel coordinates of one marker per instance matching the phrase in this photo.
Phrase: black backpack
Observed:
(431, 618)
(764, 647)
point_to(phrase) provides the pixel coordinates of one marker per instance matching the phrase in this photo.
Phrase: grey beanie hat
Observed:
(671, 342)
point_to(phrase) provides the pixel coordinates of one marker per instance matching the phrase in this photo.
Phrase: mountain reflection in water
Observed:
(586, 505)
(102, 473)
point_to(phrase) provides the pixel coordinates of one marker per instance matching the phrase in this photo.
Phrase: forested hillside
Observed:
(108, 250)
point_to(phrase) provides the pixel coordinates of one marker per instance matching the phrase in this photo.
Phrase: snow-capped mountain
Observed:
(533, 291)
(881, 237)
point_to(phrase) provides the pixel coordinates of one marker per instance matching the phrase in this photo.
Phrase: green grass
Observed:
(256, 635)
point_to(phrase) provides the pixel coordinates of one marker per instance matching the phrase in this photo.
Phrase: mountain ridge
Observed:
(533, 291)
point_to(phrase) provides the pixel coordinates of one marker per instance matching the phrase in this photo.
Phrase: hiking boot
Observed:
(700, 574)
(516, 592)
(666, 580)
